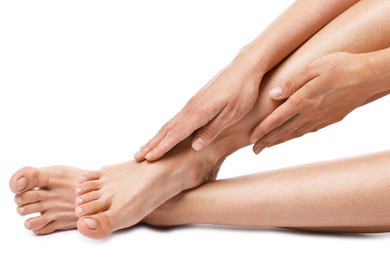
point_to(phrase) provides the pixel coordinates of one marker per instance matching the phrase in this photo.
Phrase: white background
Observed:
(85, 83)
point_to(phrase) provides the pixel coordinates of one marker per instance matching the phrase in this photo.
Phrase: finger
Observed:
(291, 85)
(209, 132)
(278, 133)
(279, 116)
(155, 140)
(171, 136)
(306, 128)
(179, 128)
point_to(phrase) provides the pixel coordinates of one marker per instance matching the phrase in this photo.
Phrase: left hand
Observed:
(322, 94)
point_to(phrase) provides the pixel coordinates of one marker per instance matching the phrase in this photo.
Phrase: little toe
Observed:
(97, 226)
(48, 229)
(37, 223)
(92, 207)
(48, 223)
(26, 178)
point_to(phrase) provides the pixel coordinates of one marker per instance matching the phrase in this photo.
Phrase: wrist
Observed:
(377, 64)
(251, 62)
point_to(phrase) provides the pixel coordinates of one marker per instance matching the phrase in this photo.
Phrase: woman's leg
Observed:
(119, 196)
(350, 195)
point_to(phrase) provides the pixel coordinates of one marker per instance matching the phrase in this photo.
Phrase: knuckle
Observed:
(171, 134)
(209, 132)
(304, 100)
(166, 127)
(275, 122)
(309, 69)
(289, 87)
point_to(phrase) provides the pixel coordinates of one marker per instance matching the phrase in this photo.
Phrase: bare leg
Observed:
(350, 195)
(121, 195)
(116, 202)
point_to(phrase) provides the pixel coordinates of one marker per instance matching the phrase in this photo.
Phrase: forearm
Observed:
(346, 195)
(290, 30)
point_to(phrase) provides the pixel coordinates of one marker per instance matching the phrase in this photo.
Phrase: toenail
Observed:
(18, 200)
(90, 223)
(27, 224)
(20, 210)
(79, 211)
(21, 183)
(79, 200)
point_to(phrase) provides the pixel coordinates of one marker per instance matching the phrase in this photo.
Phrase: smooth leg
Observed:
(349, 195)
(119, 196)
(111, 203)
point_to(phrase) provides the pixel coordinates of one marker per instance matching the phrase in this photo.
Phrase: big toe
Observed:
(25, 179)
(96, 226)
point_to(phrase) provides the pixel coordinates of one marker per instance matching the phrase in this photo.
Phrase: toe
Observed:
(87, 186)
(90, 176)
(30, 208)
(97, 226)
(92, 207)
(88, 197)
(37, 223)
(49, 222)
(49, 228)
(30, 196)
(26, 179)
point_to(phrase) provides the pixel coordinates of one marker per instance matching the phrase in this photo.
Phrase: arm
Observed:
(324, 93)
(290, 30)
(233, 92)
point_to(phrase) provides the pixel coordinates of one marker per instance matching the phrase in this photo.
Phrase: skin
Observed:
(50, 192)
(121, 195)
(232, 93)
(348, 195)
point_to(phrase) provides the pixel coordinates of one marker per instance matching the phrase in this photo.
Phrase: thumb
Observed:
(290, 86)
(284, 90)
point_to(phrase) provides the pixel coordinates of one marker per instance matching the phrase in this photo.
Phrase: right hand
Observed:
(228, 97)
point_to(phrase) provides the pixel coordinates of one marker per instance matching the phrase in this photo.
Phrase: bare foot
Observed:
(121, 195)
(48, 191)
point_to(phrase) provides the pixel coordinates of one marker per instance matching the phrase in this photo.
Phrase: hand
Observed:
(228, 97)
(321, 94)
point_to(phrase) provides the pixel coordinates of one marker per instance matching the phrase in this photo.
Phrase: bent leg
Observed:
(363, 28)
(349, 195)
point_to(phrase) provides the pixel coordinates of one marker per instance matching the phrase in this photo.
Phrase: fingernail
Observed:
(18, 200)
(253, 140)
(21, 183)
(79, 211)
(90, 223)
(142, 146)
(78, 190)
(257, 149)
(275, 92)
(198, 144)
